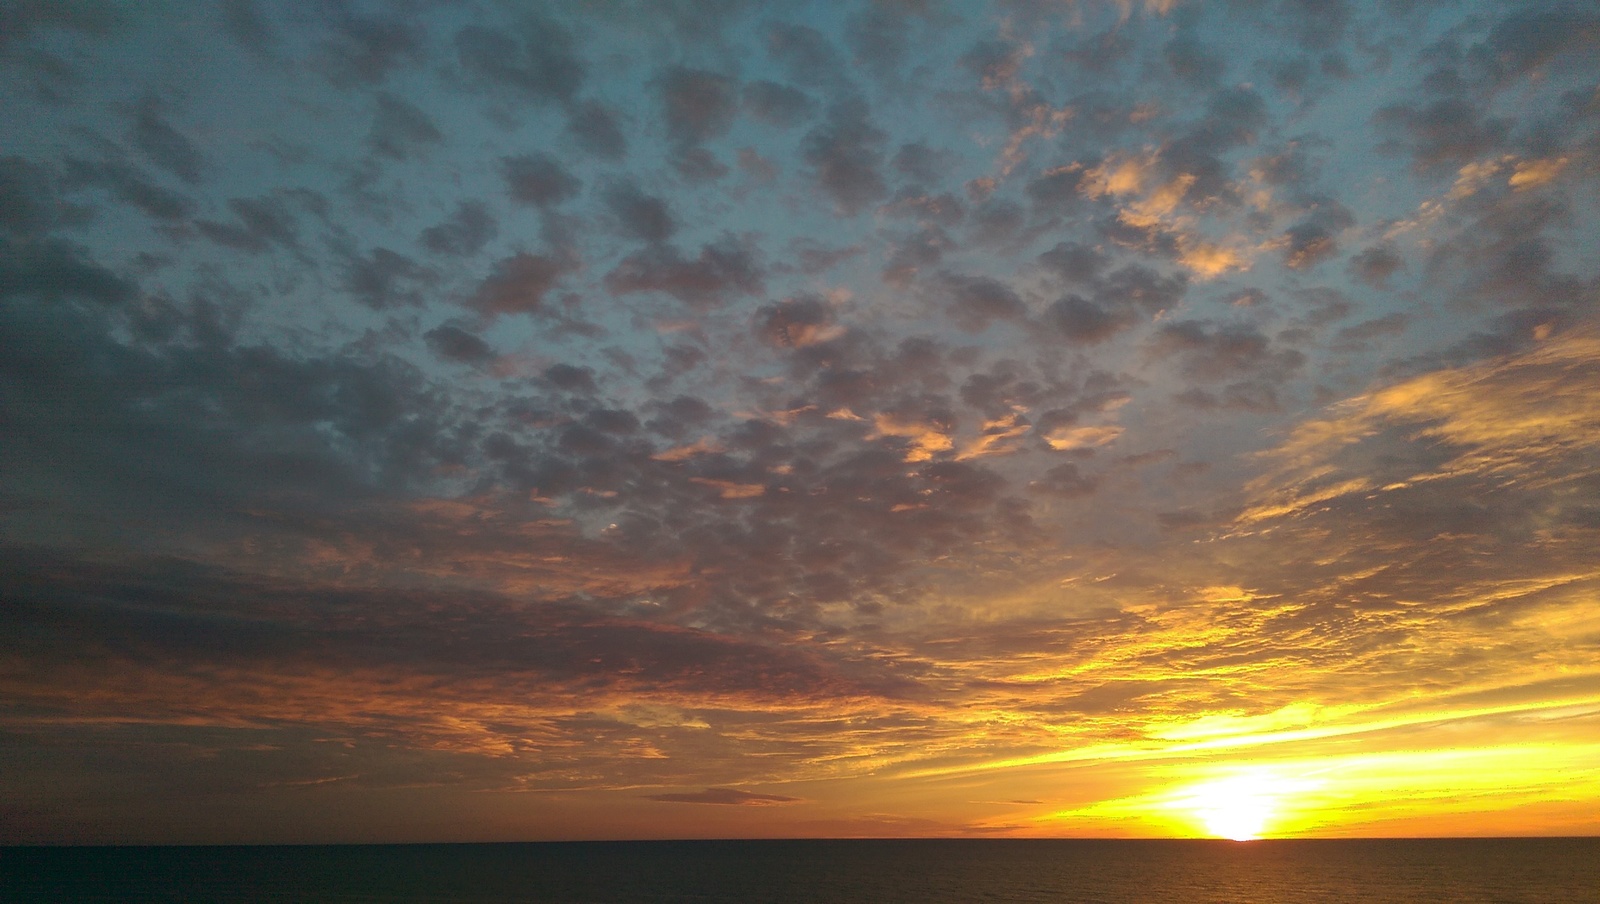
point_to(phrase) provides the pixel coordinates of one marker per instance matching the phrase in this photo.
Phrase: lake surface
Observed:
(1544, 870)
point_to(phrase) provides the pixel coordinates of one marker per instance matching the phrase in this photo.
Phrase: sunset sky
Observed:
(467, 421)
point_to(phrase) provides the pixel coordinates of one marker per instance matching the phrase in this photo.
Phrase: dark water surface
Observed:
(1563, 870)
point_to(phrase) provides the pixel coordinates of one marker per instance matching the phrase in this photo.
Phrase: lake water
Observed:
(1543, 870)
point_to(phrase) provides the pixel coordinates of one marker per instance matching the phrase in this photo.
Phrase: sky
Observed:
(478, 421)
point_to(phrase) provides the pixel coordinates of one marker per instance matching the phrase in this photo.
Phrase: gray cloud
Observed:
(384, 279)
(536, 58)
(260, 223)
(163, 145)
(1444, 132)
(726, 266)
(978, 301)
(400, 129)
(54, 270)
(597, 130)
(1314, 239)
(845, 153)
(697, 104)
(1219, 351)
(363, 49)
(1376, 264)
(539, 179)
(777, 104)
(724, 796)
(455, 344)
(1081, 320)
(519, 283)
(29, 203)
(638, 215)
(128, 184)
(795, 322)
(1536, 37)
(463, 233)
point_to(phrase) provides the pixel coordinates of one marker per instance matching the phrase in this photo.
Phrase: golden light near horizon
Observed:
(1234, 802)
(1423, 779)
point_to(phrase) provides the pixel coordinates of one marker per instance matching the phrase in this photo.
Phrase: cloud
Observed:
(1488, 418)
(1065, 438)
(807, 55)
(379, 279)
(55, 270)
(696, 104)
(29, 203)
(1444, 132)
(163, 145)
(845, 153)
(797, 323)
(261, 223)
(1192, 61)
(1376, 264)
(365, 49)
(597, 130)
(1162, 188)
(571, 378)
(724, 796)
(400, 129)
(519, 283)
(464, 233)
(638, 215)
(922, 163)
(1081, 320)
(1220, 351)
(1314, 239)
(942, 210)
(725, 267)
(1530, 39)
(22, 19)
(1142, 289)
(777, 104)
(977, 301)
(1316, 25)
(1534, 173)
(1056, 191)
(539, 179)
(1357, 335)
(535, 58)
(455, 344)
(1065, 479)
(697, 164)
(198, 639)
(1074, 261)
(128, 184)
(245, 24)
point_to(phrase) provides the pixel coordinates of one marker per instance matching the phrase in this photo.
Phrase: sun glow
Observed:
(1242, 807)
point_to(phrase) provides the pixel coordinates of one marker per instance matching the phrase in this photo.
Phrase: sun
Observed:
(1242, 819)
(1240, 807)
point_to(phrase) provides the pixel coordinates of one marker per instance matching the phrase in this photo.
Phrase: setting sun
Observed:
(1230, 810)
(1240, 807)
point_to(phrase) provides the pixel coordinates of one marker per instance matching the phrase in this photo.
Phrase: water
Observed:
(1543, 870)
